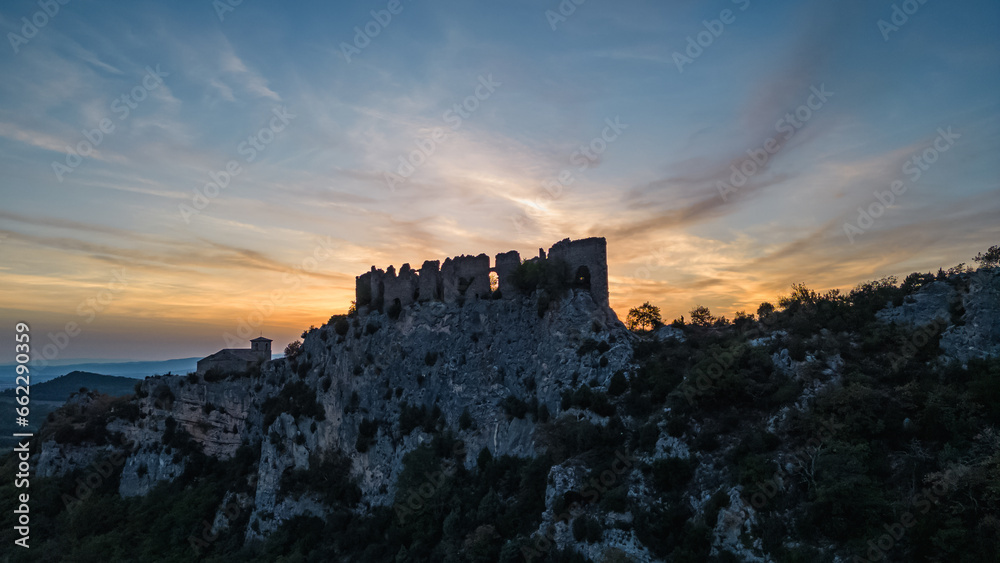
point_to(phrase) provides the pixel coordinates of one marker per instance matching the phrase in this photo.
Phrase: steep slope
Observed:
(486, 431)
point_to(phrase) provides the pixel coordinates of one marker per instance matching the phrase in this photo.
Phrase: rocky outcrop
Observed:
(964, 307)
(978, 335)
(481, 361)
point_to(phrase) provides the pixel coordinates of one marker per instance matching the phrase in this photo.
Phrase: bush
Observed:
(328, 475)
(297, 399)
(394, 310)
(341, 326)
(293, 349)
(541, 274)
(514, 407)
(672, 474)
(431, 358)
(465, 420)
(367, 433)
(618, 384)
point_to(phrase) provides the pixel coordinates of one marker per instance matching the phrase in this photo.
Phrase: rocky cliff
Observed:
(713, 421)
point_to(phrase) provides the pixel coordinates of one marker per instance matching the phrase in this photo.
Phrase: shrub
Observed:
(514, 407)
(589, 345)
(465, 419)
(341, 326)
(328, 475)
(297, 399)
(618, 384)
(293, 349)
(431, 358)
(672, 474)
(367, 432)
(394, 310)
(541, 274)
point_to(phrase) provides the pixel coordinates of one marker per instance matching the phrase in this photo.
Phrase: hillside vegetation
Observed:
(857, 426)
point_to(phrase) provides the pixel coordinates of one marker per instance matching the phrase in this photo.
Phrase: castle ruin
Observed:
(468, 277)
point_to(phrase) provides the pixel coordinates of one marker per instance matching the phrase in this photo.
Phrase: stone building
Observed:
(468, 277)
(238, 359)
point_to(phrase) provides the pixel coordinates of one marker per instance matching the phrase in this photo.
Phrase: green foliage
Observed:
(618, 384)
(367, 433)
(297, 399)
(989, 259)
(586, 528)
(546, 274)
(341, 325)
(514, 407)
(587, 399)
(701, 316)
(672, 474)
(394, 309)
(431, 358)
(644, 317)
(293, 349)
(327, 477)
(465, 419)
(413, 416)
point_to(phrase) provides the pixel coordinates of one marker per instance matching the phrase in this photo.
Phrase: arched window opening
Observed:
(582, 278)
(494, 281)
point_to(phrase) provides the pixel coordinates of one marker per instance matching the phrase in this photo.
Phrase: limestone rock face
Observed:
(965, 308)
(931, 303)
(447, 359)
(979, 334)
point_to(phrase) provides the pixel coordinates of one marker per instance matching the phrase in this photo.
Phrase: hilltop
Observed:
(527, 423)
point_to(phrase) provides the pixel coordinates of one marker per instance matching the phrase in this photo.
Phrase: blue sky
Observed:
(278, 248)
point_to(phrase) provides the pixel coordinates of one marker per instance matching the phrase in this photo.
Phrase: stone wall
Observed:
(468, 277)
(587, 258)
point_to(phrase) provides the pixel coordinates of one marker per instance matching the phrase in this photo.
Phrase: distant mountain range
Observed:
(133, 369)
(60, 388)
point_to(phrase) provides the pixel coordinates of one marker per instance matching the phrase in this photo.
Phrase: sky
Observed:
(177, 176)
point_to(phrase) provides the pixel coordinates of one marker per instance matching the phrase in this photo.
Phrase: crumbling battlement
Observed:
(468, 277)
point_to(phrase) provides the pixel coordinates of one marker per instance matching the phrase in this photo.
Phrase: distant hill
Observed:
(60, 388)
(135, 370)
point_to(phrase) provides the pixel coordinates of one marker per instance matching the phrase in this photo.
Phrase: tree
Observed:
(293, 349)
(644, 317)
(991, 259)
(701, 316)
(765, 309)
(743, 319)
